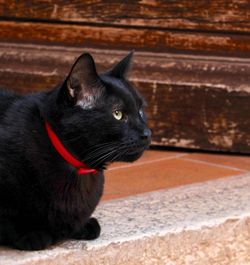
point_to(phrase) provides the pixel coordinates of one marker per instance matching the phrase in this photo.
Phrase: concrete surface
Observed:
(206, 223)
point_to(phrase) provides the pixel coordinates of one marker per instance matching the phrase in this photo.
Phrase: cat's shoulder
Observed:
(6, 100)
(7, 95)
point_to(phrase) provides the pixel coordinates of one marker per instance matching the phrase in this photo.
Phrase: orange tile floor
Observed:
(166, 169)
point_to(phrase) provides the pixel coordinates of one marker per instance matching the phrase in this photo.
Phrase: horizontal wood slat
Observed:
(220, 15)
(200, 117)
(192, 62)
(193, 101)
(120, 38)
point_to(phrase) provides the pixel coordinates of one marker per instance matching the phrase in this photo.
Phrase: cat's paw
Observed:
(36, 240)
(90, 231)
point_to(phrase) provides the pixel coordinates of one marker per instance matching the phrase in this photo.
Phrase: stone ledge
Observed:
(206, 223)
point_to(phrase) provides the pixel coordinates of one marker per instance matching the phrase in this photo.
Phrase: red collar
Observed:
(80, 166)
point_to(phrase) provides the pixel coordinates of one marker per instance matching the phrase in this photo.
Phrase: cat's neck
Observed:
(81, 167)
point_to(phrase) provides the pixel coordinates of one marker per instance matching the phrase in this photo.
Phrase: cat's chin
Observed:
(133, 156)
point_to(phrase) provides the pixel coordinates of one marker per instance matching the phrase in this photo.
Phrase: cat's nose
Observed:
(146, 135)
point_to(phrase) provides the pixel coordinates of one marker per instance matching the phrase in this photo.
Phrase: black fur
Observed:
(42, 199)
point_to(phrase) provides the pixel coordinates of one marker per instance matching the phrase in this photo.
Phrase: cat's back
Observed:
(6, 99)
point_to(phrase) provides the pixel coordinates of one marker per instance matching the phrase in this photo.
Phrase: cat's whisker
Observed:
(100, 146)
(99, 151)
(107, 156)
(101, 159)
(120, 154)
(97, 147)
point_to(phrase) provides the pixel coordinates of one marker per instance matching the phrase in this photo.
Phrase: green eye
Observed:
(118, 114)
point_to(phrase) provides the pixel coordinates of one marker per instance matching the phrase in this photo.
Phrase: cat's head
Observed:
(102, 115)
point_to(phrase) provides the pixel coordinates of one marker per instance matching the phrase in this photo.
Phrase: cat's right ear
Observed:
(83, 81)
(82, 75)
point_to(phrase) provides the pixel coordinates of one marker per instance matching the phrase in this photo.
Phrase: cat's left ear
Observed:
(121, 69)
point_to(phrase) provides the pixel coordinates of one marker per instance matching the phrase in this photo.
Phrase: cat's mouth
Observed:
(130, 157)
(125, 152)
(133, 154)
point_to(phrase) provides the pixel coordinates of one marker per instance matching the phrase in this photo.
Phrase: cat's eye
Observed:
(118, 114)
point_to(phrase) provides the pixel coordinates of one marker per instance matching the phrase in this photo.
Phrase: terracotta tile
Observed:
(149, 156)
(240, 162)
(154, 154)
(159, 175)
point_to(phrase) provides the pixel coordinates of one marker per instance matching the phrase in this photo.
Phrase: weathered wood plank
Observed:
(220, 15)
(225, 73)
(120, 38)
(199, 117)
(193, 101)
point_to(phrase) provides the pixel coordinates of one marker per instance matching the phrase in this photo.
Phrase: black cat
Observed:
(54, 147)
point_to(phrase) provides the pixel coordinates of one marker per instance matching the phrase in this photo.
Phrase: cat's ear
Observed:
(82, 74)
(120, 70)
(83, 83)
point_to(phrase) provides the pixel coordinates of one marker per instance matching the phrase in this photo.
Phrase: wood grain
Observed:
(199, 117)
(120, 38)
(192, 62)
(220, 15)
(193, 101)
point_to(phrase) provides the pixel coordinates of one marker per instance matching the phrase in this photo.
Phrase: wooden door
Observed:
(191, 64)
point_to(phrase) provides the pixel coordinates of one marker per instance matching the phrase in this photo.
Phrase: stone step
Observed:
(205, 223)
